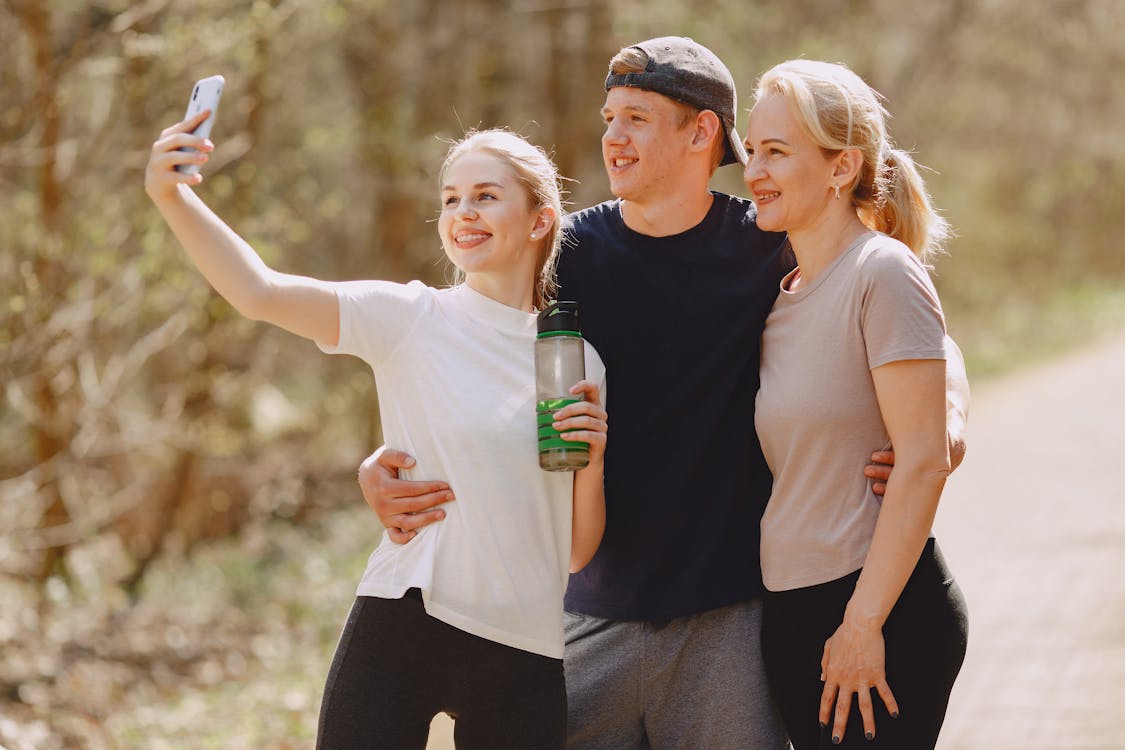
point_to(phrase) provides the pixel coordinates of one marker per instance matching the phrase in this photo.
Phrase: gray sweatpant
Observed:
(691, 683)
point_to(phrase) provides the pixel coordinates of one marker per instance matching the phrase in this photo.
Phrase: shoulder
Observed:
(595, 219)
(882, 256)
(737, 206)
(889, 270)
(586, 236)
(879, 249)
(740, 217)
(377, 297)
(375, 289)
(740, 210)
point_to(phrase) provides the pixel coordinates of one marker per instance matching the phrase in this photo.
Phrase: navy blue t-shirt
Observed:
(678, 321)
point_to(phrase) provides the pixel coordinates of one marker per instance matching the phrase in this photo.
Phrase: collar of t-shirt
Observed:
(492, 312)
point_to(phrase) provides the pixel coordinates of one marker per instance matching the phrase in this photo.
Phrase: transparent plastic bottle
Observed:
(560, 362)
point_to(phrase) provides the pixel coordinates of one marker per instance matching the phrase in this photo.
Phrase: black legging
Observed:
(396, 668)
(925, 639)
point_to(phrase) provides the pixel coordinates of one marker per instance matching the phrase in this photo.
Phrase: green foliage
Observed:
(143, 417)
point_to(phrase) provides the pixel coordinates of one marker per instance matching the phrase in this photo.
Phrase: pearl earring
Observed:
(533, 235)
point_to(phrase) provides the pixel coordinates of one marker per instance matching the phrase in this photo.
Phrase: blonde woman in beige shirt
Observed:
(864, 629)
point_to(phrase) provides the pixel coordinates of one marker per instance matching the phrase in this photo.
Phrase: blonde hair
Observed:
(539, 177)
(635, 60)
(840, 111)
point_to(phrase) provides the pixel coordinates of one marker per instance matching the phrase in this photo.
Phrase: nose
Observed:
(465, 209)
(614, 134)
(752, 171)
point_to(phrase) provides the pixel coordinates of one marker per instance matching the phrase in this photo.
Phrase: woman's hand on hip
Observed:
(853, 664)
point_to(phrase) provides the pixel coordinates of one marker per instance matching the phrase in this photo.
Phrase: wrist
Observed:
(862, 617)
(167, 197)
(596, 465)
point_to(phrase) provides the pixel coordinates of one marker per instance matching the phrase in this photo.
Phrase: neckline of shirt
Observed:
(806, 290)
(714, 214)
(495, 313)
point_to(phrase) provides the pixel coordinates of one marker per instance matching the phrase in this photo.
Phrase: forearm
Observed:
(588, 523)
(905, 520)
(228, 263)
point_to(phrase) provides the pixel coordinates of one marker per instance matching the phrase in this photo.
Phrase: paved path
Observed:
(1033, 525)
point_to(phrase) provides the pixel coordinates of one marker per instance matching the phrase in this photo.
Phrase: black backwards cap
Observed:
(686, 71)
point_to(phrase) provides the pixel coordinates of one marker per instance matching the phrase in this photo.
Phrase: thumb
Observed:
(394, 459)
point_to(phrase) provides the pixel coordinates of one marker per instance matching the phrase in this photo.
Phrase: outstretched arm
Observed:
(304, 306)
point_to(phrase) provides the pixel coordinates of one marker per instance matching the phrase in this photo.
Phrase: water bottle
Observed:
(560, 362)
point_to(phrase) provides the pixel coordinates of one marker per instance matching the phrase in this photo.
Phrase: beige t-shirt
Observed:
(816, 412)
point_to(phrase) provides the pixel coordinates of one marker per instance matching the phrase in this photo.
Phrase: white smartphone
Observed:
(204, 95)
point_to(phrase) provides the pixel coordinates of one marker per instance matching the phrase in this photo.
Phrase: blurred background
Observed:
(180, 531)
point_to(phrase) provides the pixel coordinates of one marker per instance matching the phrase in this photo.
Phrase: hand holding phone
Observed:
(204, 95)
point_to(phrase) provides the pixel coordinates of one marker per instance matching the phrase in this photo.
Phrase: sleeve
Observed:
(376, 316)
(901, 315)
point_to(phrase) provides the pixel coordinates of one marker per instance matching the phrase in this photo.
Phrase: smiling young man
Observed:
(674, 283)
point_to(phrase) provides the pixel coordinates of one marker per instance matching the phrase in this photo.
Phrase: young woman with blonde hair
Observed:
(465, 615)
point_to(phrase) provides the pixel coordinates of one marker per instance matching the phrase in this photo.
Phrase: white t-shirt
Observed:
(456, 381)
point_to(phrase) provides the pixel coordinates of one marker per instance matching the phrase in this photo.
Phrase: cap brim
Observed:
(735, 151)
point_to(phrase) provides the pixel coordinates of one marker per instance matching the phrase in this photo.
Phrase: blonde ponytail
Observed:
(901, 208)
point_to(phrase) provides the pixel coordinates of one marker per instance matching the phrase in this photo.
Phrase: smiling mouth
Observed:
(622, 161)
(766, 197)
(470, 239)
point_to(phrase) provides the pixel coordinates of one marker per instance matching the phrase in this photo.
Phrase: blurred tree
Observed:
(139, 407)
(141, 415)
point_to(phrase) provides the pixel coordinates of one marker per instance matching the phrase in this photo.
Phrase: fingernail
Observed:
(835, 739)
(869, 735)
(823, 724)
(894, 714)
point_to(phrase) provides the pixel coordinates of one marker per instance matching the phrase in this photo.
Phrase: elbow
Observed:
(580, 561)
(581, 555)
(935, 464)
(930, 467)
(255, 302)
(922, 464)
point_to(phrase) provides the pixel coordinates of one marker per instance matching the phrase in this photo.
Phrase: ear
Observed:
(545, 218)
(707, 129)
(849, 163)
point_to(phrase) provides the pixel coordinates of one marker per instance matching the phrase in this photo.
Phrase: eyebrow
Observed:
(478, 186)
(627, 108)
